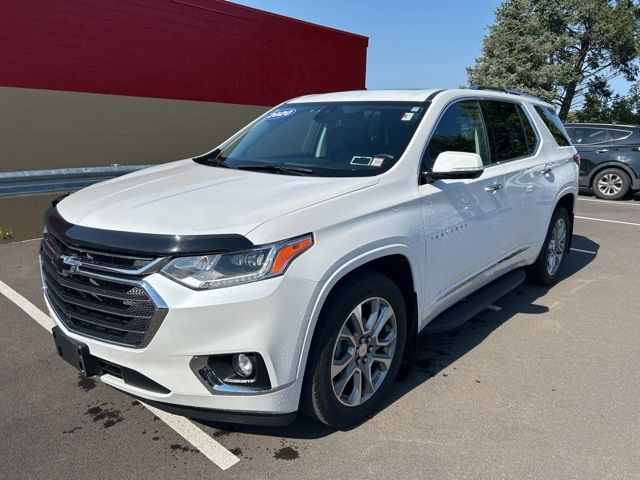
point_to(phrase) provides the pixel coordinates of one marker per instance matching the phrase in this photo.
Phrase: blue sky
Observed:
(412, 43)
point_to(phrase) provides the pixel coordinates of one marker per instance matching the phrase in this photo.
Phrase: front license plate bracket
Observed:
(76, 353)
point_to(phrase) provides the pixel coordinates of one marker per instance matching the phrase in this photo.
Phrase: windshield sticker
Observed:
(377, 161)
(281, 113)
(407, 116)
(358, 160)
(415, 109)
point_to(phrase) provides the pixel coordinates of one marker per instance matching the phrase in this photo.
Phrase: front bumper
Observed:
(269, 317)
(226, 416)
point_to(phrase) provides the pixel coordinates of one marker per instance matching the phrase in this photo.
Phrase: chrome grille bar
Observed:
(118, 307)
(108, 262)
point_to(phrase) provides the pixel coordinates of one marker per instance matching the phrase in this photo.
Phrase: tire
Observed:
(542, 271)
(322, 397)
(611, 184)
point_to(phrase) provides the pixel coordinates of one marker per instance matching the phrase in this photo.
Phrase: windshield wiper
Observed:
(213, 159)
(276, 168)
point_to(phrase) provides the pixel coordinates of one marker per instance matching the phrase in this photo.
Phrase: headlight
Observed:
(227, 269)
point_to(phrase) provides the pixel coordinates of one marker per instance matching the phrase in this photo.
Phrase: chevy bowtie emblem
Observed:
(72, 262)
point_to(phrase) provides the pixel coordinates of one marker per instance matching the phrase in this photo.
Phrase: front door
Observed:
(461, 217)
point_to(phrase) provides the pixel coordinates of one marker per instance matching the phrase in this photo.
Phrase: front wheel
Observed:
(356, 350)
(546, 267)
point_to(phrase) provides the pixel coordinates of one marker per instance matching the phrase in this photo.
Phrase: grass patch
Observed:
(6, 233)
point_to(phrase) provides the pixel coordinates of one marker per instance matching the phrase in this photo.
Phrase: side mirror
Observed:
(454, 165)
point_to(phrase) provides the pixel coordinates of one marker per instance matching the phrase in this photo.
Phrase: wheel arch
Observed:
(568, 202)
(611, 164)
(393, 261)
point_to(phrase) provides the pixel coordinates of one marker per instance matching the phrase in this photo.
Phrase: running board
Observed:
(476, 302)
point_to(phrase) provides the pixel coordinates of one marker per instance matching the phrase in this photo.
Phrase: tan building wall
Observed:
(41, 129)
(21, 216)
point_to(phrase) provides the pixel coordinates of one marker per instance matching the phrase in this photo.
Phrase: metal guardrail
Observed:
(59, 180)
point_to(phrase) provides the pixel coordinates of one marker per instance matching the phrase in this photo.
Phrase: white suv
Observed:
(293, 266)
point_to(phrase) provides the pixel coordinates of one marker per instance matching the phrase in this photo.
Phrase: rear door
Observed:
(627, 150)
(595, 146)
(514, 143)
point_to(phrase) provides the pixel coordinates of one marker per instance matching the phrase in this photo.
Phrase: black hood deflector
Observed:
(141, 244)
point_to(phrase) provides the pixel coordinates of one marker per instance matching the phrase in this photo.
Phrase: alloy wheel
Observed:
(557, 244)
(363, 351)
(610, 184)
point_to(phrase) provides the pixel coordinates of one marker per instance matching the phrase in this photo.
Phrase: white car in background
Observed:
(293, 266)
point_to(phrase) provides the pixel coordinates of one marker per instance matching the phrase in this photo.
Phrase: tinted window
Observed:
(510, 133)
(331, 139)
(529, 132)
(619, 134)
(589, 136)
(554, 125)
(460, 129)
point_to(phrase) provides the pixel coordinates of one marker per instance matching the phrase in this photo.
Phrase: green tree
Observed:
(626, 109)
(559, 49)
(605, 107)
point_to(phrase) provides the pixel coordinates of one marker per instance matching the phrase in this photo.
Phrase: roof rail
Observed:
(512, 91)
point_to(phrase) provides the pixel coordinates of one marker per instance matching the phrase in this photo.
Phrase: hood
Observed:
(187, 198)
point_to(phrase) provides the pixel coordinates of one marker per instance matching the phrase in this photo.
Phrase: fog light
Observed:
(242, 365)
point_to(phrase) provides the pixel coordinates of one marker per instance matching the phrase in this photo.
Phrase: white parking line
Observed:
(29, 308)
(608, 221)
(582, 251)
(28, 240)
(196, 437)
(211, 449)
(610, 202)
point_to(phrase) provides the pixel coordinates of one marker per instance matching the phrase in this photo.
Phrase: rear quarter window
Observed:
(619, 135)
(554, 125)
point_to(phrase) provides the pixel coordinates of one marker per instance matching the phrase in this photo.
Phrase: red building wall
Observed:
(207, 50)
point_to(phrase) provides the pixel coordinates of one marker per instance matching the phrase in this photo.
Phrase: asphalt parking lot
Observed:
(545, 385)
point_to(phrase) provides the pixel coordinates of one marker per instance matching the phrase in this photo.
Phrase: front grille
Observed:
(94, 259)
(115, 308)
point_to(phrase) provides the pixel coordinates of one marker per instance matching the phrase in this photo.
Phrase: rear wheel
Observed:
(546, 267)
(356, 350)
(611, 184)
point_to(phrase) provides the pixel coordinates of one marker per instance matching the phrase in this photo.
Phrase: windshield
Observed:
(326, 139)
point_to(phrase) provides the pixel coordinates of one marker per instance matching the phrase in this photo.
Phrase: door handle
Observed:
(603, 150)
(546, 170)
(492, 189)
